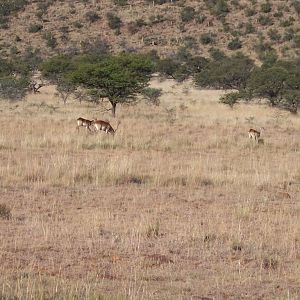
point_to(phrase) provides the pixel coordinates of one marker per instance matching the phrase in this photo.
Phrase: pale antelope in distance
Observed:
(254, 134)
(81, 122)
(105, 126)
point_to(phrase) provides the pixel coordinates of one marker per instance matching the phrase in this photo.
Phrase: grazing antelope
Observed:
(254, 134)
(105, 126)
(84, 123)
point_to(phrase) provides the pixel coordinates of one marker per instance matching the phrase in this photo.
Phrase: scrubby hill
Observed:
(52, 27)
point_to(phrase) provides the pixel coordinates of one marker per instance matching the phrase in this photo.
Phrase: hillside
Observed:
(52, 27)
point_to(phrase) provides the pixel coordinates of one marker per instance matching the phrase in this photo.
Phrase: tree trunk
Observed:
(113, 109)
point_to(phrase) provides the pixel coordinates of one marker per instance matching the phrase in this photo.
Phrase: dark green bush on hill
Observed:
(114, 22)
(188, 14)
(9, 6)
(266, 7)
(235, 44)
(218, 7)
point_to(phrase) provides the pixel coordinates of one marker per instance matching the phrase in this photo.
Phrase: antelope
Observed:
(254, 134)
(105, 126)
(84, 123)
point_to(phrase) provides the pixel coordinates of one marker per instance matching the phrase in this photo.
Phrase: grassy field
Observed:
(178, 205)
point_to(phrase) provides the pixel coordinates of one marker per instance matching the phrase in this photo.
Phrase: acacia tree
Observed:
(118, 78)
(280, 84)
(14, 79)
(57, 70)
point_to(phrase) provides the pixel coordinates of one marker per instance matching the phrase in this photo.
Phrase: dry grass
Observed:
(179, 205)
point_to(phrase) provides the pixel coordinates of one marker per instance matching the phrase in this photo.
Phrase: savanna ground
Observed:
(178, 205)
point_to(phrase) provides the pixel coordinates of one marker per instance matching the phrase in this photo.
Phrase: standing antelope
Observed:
(84, 123)
(254, 134)
(105, 126)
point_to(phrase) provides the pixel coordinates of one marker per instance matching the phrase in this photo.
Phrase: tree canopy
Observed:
(118, 78)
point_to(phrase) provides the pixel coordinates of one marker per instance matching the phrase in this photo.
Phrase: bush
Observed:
(188, 14)
(234, 44)
(216, 54)
(229, 72)
(33, 28)
(51, 40)
(167, 67)
(278, 83)
(218, 7)
(121, 2)
(297, 41)
(278, 14)
(249, 28)
(265, 20)
(152, 95)
(274, 35)
(9, 6)
(3, 22)
(296, 5)
(13, 88)
(266, 7)
(287, 23)
(77, 24)
(135, 26)
(231, 98)
(250, 12)
(114, 22)
(206, 38)
(92, 16)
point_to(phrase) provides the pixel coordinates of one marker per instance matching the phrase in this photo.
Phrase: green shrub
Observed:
(266, 7)
(249, 28)
(152, 95)
(217, 7)
(274, 35)
(77, 24)
(206, 38)
(231, 98)
(288, 35)
(297, 41)
(33, 28)
(229, 72)
(13, 88)
(114, 22)
(92, 16)
(249, 12)
(155, 19)
(287, 23)
(278, 14)
(121, 2)
(216, 54)
(51, 40)
(265, 20)
(234, 44)
(296, 5)
(187, 14)
(134, 27)
(3, 22)
(9, 6)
